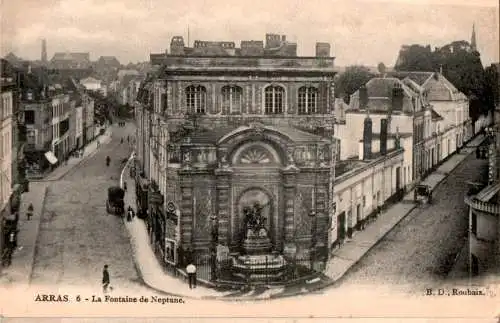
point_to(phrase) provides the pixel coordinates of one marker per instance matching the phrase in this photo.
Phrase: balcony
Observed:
(486, 207)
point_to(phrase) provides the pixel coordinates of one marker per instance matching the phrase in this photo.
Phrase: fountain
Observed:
(257, 263)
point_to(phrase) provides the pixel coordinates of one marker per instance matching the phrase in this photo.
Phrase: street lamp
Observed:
(213, 249)
(312, 215)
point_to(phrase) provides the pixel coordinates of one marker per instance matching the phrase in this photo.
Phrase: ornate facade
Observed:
(220, 134)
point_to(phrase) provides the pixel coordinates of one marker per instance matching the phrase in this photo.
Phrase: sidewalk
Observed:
(150, 270)
(349, 254)
(18, 274)
(88, 150)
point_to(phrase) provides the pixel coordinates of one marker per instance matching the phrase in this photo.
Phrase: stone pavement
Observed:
(18, 274)
(342, 259)
(354, 249)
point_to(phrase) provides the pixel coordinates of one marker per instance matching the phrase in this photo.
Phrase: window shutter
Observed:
(323, 98)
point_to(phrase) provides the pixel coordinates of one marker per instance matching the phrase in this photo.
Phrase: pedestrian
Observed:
(191, 271)
(124, 186)
(130, 214)
(128, 139)
(98, 143)
(121, 141)
(29, 213)
(105, 279)
(13, 239)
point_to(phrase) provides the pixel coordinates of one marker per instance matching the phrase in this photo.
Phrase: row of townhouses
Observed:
(45, 118)
(483, 201)
(222, 130)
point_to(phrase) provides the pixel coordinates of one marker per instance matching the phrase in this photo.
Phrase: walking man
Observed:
(29, 214)
(105, 279)
(191, 271)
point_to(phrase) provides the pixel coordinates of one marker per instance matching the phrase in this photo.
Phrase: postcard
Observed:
(264, 161)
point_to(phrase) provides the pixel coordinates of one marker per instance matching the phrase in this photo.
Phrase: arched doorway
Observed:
(256, 181)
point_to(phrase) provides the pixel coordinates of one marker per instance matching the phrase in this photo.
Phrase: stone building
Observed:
(455, 128)
(396, 107)
(484, 212)
(224, 132)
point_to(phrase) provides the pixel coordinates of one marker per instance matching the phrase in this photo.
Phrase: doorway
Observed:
(341, 227)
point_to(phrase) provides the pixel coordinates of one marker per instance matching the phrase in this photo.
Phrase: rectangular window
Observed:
(269, 102)
(474, 224)
(29, 117)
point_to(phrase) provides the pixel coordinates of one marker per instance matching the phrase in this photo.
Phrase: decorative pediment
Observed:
(256, 153)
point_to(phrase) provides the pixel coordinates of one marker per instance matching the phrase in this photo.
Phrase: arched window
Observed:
(308, 100)
(231, 99)
(274, 100)
(196, 98)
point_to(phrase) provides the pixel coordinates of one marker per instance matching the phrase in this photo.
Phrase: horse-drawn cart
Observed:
(114, 203)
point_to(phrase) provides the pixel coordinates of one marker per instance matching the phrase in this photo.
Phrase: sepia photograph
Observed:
(250, 161)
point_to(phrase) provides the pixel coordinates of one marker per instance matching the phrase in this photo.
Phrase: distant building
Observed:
(70, 61)
(95, 85)
(125, 72)
(107, 62)
(456, 127)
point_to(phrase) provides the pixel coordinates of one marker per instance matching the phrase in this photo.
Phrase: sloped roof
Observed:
(418, 77)
(489, 193)
(381, 87)
(79, 57)
(108, 60)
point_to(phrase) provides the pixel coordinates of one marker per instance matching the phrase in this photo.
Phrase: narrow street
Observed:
(77, 236)
(420, 251)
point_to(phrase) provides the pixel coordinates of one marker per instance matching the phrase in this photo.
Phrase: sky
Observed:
(362, 32)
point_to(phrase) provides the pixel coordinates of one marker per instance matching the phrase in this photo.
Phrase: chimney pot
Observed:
(367, 138)
(383, 136)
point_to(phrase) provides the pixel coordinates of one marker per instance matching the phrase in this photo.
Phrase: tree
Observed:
(460, 64)
(381, 68)
(351, 80)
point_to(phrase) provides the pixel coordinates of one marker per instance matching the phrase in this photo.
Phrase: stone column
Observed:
(223, 187)
(186, 220)
(289, 192)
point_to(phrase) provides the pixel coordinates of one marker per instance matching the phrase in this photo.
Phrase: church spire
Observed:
(473, 38)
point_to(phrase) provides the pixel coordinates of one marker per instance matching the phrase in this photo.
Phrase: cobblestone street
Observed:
(77, 236)
(421, 249)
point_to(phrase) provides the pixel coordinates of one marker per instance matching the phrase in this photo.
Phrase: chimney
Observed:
(367, 138)
(322, 50)
(397, 97)
(383, 137)
(363, 97)
(44, 51)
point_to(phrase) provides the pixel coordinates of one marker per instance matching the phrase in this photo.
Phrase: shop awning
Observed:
(51, 157)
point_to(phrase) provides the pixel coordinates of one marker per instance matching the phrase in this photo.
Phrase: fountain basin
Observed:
(259, 268)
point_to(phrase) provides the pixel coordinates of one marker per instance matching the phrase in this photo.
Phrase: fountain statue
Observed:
(256, 238)
(257, 263)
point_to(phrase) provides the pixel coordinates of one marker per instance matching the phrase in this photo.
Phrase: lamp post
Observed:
(213, 249)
